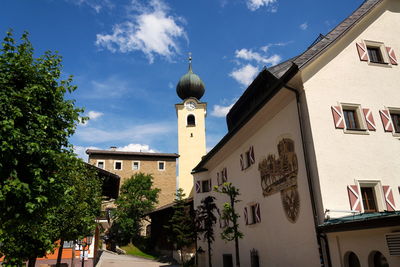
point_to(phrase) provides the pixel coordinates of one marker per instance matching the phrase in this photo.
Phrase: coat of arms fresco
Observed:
(279, 174)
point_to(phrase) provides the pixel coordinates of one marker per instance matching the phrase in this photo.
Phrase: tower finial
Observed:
(190, 61)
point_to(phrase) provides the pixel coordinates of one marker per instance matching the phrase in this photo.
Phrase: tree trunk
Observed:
(32, 262)
(237, 251)
(73, 255)
(181, 256)
(236, 235)
(209, 252)
(60, 250)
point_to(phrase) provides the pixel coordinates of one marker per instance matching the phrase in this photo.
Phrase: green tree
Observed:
(136, 199)
(35, 124)
(182, 226)
(231, 232)
(206, 220)
(81, 203)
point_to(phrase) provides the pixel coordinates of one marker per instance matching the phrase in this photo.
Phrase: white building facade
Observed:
(313, 147)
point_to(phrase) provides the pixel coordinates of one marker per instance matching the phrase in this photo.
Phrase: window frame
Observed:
(187, 120)
(207, 188)
(379, 46)
(101, 161)
(396, 111)
(376, 185)
(115, 165)
(164, 164)
(359, 118)
(133, 163)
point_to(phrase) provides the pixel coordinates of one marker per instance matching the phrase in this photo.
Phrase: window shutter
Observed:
(387, 191)
(197, 186)
(218, 180)
(258, 213)
(392, 55)
(386, 121)
(369, 119)
(241, 162)
(337, 117)
(354, 197)
(252, 159)
(362, 51)
(245, 216)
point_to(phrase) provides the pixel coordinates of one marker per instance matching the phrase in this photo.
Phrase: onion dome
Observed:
(190, 85)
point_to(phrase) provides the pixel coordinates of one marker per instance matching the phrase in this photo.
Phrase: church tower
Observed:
(191, 127)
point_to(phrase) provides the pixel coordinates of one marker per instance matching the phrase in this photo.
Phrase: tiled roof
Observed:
(128, 153)
(318, 47)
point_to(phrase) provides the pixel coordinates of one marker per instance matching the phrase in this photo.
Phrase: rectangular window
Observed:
(161, 165)
(117, 165)
(136, 165)
(375, 54)
(100, 164)
(350, 117)
(68, 244)
(396, 121)
(227, 260)
(369, 199)
(205, 186)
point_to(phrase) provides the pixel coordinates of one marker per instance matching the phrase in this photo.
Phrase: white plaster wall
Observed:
(355, 241)
(279, 242)
(339, 76)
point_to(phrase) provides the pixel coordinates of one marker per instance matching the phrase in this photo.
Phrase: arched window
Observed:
(376, 259)
(351, 260)
(191, 121)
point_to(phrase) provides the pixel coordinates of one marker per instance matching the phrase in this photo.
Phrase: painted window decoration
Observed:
(203, 186)
(247, 158)
(252, 214)
(351, 117)
(279, 174)
(222, 176)
(390, 120)
(376, 52)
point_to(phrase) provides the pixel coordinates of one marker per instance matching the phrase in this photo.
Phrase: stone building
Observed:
(125, 164)
(313, 147)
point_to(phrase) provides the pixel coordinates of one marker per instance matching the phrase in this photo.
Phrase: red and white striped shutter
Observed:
(362, 51)
(209, 185)
(245, 216)
(369, 119)
(218, 180)
(224, 175)
(354, 197)
(386, 121)
(252, 158)
(258, 213)
(241, 162)
(392, 55)
(337, 117)
(197, 186)
(387, 191)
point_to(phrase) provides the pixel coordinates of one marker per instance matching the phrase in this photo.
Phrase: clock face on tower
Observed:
(190, 105)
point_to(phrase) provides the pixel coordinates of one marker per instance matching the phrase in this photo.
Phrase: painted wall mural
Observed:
(279, 174)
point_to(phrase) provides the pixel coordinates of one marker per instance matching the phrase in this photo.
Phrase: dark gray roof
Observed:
(128, 153)
(318, 47)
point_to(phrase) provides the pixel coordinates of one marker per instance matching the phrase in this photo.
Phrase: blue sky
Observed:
(127, 56)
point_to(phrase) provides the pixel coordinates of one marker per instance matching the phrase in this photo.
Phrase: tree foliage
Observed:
(205, 221)
(136, 199)
(35, 124)
(182, 226)
(231, 231)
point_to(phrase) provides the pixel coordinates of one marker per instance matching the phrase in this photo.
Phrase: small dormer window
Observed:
(191, 121)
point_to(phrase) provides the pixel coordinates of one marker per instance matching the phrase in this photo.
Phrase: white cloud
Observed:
(96, 5)
(220, 111)
(153, 31)
(136, 148)
(256, 4)
(93, 115)
(304, 26)
(138, 133)
(244, 75)
(248, 54)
